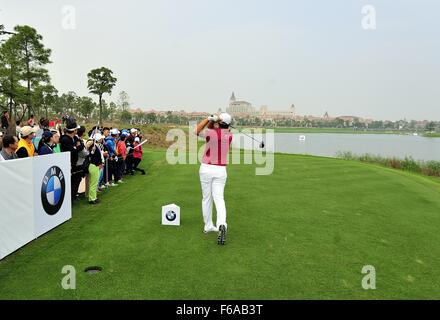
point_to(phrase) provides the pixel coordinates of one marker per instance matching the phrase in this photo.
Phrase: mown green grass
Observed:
(432, 135)
(304, 232)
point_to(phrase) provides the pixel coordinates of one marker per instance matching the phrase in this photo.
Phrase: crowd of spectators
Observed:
(101, 159)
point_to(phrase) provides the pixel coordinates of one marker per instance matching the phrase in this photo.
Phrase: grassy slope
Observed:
(303, 232)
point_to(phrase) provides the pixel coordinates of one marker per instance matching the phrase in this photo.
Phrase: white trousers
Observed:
(213, 180)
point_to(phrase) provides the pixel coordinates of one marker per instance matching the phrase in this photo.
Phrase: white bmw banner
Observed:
(52, 199)
(35, 197)
(16, 205)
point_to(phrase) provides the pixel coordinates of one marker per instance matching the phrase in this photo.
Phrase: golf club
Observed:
(262, 145)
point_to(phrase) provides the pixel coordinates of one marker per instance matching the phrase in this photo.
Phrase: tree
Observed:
(430, 126)
(376, 125)
(69, 102)
(112, 110)
(86, 106)
(11, 71)
(58, 106)
(340, 123)
(100, 81)
(2, 30)
(151, 117)
(105, 112)
(45, 96)
(34, 56)
(108, 110)
(123, 101)
(126, 116)
(3, 103)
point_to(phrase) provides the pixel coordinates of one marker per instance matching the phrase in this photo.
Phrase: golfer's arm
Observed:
(201, 126)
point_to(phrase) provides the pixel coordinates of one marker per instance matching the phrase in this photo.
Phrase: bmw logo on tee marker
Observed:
(52, 190)
(171, 215)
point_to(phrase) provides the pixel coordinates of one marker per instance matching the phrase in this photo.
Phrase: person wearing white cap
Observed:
(25, 146)
(212, 171)
(133, 134)
(137, 155)
(99, 138)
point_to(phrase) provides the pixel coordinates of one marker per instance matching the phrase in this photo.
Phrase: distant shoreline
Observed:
(347, 131)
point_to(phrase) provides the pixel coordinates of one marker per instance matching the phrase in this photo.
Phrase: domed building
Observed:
(243, 108)
(239, 107)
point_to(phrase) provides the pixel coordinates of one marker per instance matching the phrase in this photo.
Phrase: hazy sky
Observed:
(191, 54)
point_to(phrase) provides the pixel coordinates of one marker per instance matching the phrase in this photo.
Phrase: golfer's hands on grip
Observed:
(213, 118)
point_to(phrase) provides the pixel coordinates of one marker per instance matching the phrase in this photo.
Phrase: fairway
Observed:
(304, 232)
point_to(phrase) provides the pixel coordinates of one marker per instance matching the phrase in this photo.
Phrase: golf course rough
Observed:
(304, 232)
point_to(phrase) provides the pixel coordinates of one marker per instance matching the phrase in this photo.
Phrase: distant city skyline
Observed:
(192, 54)
(242, 107)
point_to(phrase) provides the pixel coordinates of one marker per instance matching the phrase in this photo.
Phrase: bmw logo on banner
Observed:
(52, 190)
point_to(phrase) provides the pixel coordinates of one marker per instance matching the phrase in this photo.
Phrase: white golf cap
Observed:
(27, 130)
(226, 118)
(114, 131)
(97, 136)
(133, 130)
(137, 139)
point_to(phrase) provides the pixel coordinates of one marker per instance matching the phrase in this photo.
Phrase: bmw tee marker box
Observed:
(171, 215)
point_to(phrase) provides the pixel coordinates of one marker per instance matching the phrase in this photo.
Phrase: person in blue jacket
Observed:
(110, 142)
(46, 143)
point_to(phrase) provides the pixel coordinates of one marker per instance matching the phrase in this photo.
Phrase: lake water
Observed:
(329, 144)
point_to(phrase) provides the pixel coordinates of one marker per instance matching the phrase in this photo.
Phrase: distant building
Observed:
(137, 110)
(277, 114)
(243, 108)
(239, 107)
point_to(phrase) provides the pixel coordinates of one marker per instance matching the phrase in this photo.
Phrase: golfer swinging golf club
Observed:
(213, 171)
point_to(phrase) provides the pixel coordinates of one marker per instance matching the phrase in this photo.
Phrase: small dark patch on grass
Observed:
(93, 270)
